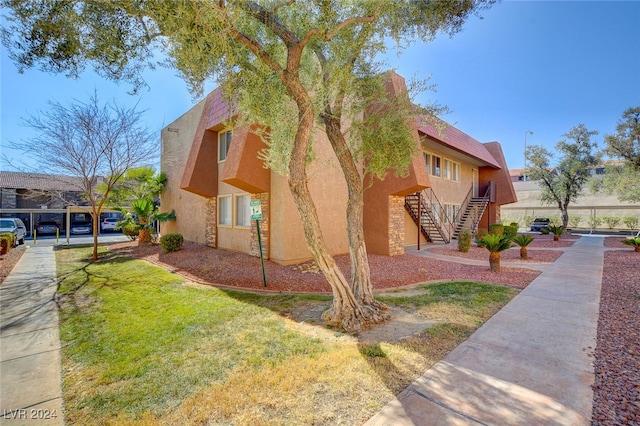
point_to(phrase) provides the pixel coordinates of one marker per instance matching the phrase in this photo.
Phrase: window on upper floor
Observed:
(436, 169)
(224, 141)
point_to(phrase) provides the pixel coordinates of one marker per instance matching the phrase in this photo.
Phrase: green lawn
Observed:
(142, 346)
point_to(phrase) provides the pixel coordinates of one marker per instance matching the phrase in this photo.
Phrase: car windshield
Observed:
(6, 224)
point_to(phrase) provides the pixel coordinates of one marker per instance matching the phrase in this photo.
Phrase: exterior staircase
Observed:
(432, 222)
(470, 217)
(428, 214)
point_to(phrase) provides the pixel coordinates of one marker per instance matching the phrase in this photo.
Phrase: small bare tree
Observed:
(92, 142)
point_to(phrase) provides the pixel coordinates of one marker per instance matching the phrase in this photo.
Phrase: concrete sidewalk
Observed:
(530, 364)
(30, 379)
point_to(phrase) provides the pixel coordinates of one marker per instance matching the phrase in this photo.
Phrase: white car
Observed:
(15, 226)
(109, 224)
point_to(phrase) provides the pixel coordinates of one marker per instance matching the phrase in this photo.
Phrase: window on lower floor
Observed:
(224, 210)
(243, 210)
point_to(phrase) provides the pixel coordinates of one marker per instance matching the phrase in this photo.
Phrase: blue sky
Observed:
(541, 66)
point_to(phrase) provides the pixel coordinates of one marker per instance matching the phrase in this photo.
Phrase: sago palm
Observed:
(495, 244)
(633, 242)
(556, 230)
(523, 241)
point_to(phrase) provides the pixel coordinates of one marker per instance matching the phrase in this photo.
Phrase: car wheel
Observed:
(21, 241)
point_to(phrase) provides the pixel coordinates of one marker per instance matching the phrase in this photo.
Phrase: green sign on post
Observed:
(256, 214)
(256, 210)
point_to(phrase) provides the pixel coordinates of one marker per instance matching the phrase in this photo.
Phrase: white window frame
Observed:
(446, 169)
(229, 210)
(224, 142)
(247, 213)
(436, 165)
(427, 161)
(455, 171)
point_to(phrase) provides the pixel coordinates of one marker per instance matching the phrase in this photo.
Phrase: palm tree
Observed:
(140, 189)
(495, 244)
(144, 213)
(523, 241)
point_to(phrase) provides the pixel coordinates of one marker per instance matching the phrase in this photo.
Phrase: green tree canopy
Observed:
(623, 177)
(562, 180)
(286, 65)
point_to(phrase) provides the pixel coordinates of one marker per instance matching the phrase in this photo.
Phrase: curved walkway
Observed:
(530, 364)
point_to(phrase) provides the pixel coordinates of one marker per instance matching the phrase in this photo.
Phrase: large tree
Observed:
(93, 142)
(562, 178)
(312, 60)
(623, 177)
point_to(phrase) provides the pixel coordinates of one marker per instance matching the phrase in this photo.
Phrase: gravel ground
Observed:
(616, 390)
(228, 269)
(617, 355)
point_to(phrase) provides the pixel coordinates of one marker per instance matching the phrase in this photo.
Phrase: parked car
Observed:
(47, 228)
(15, 226)
(539, 224)
(109, 224)
(81, 228)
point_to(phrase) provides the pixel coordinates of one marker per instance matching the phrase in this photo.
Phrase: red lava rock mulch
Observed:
(512, 255)
(616, 399)
(9, 260)
(224, 268)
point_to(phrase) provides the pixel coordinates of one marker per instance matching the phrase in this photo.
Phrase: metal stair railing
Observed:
(443, 223)
(481, 208)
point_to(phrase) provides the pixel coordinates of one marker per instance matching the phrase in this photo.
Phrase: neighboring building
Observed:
(37, 198)
(38, 191)
(214, 172)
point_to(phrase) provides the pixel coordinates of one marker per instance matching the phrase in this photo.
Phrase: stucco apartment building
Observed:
(214, 172)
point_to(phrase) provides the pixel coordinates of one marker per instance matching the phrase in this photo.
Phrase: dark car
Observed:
(81, 228)
(47, 228)
(540, 223)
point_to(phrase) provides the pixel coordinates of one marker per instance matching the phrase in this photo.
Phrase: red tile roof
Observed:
(455, 139)
(19, 180)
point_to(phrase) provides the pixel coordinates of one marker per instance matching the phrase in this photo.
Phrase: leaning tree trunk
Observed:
(494, 261)
(346, 311)
(361, 286)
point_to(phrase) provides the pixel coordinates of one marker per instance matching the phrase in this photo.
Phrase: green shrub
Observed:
(594, 222)
(510, 231)
(545, 231)
(464, 241)
(130, 230)
(6, 242)
(611, 221)
(630, 222)
(496, 229)
(481, 233)
(574, 221)
(171, 242)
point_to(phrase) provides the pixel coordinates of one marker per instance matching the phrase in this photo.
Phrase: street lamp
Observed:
(525, 151)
